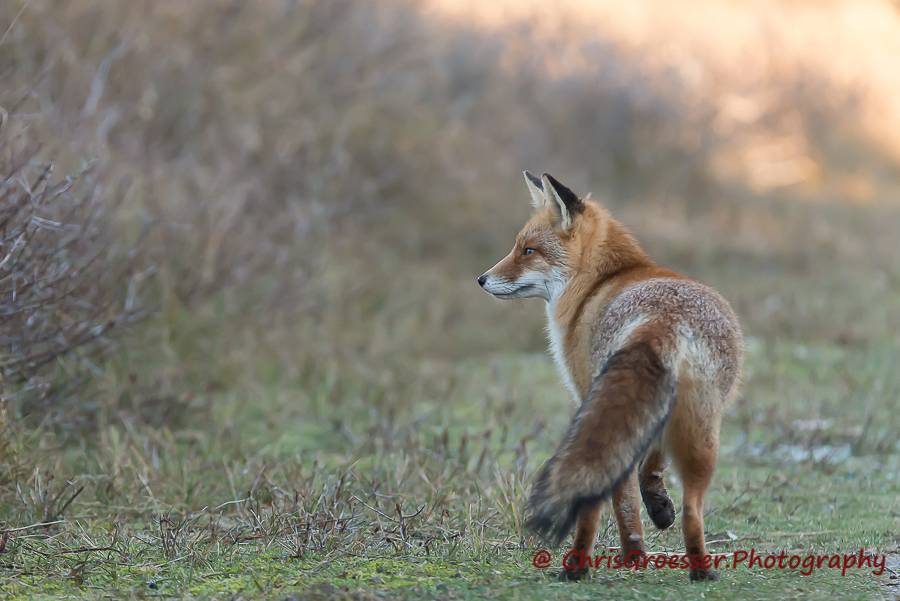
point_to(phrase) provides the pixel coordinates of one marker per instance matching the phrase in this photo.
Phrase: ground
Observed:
(282, 492)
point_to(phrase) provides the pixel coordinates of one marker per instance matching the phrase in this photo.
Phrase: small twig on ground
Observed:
(38, 525)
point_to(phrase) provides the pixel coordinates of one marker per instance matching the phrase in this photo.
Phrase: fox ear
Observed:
(536, 189)
(567, 202)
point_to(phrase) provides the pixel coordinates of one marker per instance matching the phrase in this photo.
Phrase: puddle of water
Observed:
(797, 453)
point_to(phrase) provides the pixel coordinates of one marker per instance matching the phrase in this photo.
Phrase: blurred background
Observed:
(209, 205)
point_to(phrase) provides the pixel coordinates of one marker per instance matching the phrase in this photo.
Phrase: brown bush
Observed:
(66, 283)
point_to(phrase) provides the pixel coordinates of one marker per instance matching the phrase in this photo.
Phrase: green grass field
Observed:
(282, 491)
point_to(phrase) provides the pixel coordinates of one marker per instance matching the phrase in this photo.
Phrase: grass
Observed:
(342, 490)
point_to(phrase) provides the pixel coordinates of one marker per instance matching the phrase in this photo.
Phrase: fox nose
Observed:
(482, 279)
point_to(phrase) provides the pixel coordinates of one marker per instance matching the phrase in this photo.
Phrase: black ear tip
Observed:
(558, 185)
(566, 195)
(533, 179)
(554, 182)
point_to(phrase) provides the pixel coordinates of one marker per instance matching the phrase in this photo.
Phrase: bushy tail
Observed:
(629, 403)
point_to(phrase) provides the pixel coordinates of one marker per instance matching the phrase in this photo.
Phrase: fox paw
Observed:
(633, 558)
(574, 574)
(699, 574)
(659, 507)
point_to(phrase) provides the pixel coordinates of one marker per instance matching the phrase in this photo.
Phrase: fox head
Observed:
(565, 237)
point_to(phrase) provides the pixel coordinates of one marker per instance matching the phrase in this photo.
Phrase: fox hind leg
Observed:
(626, 503)
(694, 450)
(578, 561)
(627, 506)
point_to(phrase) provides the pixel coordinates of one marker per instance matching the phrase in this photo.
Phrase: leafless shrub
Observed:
(65, 284)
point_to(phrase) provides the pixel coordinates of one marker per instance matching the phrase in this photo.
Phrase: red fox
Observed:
(652, 358)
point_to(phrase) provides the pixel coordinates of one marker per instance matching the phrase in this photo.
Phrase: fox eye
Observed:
(528, 251)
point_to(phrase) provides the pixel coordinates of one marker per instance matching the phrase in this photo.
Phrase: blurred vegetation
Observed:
(291, 201)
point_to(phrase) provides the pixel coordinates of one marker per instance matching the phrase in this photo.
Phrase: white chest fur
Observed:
(556, 338)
